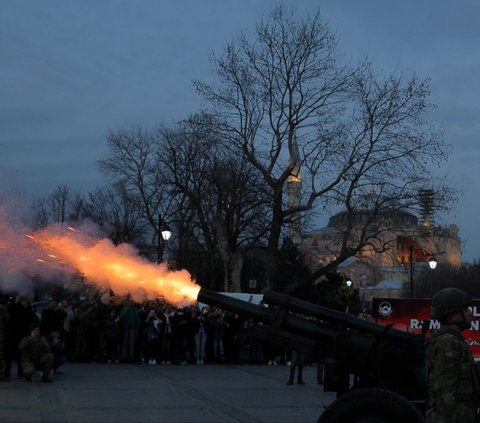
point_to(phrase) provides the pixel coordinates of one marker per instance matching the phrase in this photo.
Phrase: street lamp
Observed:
(432, 263)
(349, 283)
(166, 234)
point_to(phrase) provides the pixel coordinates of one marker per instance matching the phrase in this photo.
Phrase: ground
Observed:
(102, 393)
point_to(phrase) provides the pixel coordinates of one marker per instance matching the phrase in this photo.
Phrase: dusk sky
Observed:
(73, 70)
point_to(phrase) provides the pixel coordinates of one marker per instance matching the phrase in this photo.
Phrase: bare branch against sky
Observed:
(72, 71)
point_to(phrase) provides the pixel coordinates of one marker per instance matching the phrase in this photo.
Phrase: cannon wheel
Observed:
(371, 405)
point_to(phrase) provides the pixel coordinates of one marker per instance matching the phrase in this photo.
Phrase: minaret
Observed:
(294, 192)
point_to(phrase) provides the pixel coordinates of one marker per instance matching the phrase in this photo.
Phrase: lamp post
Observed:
(166, 234)
(411, 270)
(349, 283)
(432, 263)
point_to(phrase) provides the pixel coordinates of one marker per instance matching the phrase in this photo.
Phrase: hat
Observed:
(449, 300)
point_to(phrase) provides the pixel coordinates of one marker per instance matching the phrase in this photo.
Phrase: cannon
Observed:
(377, 372)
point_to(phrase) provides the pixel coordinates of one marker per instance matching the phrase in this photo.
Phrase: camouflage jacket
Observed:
(33, 348)
(453, 380)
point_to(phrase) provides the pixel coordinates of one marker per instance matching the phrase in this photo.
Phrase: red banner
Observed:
(412, 314)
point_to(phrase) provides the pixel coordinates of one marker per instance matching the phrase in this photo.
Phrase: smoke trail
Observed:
(60, 250)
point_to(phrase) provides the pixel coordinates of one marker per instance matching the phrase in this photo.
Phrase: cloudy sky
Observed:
(73, 70)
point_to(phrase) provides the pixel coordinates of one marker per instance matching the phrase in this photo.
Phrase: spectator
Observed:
(4, 322)
(68, 324)
(190, 334)
(256, 348)
(298, 360)
(180, 328)
(93, 325)
(230, 337)
(52, 318)
(208, 324)
(80, 349)
(141, 341)
(111, 333)
(57, 348)
(245, 342)
(200, 335)
(129, 324)
(22, 317)
(270, 353)
(365, 315)
(217, 321)
(153, 330)
(166, 335)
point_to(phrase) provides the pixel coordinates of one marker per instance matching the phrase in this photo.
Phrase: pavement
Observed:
(127, 393)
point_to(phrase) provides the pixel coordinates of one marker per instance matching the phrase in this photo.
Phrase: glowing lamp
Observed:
(166, 234)
(432, 263)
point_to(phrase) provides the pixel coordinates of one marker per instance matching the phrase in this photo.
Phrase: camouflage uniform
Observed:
(36, 355)
(453, 379)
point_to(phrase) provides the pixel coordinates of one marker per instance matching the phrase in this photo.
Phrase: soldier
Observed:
(453, 380)
(36, 355)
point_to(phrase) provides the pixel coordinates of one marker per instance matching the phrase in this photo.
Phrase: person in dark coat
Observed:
(200, 336)
(153, 329)
(298, 361)
(4, 322)
(57, 347)
(129, 325)
(111, 332)
(22, 317)
(244, 342)
(52, 318)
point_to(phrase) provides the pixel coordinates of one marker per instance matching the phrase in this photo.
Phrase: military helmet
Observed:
(449, 300)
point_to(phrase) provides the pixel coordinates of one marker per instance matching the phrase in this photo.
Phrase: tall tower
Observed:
(294, 191)
(427, 207)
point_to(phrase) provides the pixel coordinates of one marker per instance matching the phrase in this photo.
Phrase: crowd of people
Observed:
(152, 332)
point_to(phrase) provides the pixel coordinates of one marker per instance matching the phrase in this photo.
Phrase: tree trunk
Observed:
(273, 241)
(233, 272)
(232, 260)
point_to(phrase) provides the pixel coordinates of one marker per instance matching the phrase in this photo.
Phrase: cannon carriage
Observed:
(377, 372)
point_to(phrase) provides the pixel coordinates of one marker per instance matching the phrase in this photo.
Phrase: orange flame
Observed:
(115, 267)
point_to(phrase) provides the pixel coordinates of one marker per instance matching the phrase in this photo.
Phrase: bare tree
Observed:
(220, 190)
(389, 148)
(115, 214)
(289, 107)
(61, 205)
(133, 165)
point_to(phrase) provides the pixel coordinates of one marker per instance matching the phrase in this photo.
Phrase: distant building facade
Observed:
(383, 268)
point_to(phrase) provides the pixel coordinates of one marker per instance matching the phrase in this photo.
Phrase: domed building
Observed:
(399, 248)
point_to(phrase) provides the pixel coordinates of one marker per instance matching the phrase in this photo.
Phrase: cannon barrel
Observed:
(310, 335)
(265, 315)
(376, 355)
(333, 316)
(306, 327)
(235, 305)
